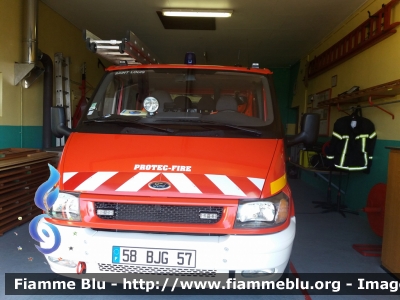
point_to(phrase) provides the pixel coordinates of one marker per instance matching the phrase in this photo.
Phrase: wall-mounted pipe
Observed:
(27, 71)
(29, 31)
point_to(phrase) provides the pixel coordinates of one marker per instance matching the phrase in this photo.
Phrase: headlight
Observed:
(66, 207)
(150, 104)
(262, 213)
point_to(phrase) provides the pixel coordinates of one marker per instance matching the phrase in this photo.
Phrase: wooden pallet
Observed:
(10, 153)
(14, 220)
(22, 171)
(28, 159)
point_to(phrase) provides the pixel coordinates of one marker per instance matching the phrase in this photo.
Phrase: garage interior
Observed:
(327, 57)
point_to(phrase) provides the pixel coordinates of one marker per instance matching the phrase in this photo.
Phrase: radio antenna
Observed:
(248, 56)
(238, 60)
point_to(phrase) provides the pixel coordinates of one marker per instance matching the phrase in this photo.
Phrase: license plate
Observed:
(154, 256)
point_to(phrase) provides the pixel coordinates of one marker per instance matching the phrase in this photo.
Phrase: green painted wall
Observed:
(283, 93)
(11, 137)
(284, 80)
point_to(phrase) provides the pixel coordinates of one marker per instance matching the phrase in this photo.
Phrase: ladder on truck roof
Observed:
(129, 49)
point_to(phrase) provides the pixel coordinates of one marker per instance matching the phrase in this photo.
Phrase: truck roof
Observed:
(186, 66)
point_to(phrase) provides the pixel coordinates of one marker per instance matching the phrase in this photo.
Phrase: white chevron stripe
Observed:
(67, 176)
(258, 182)
(182, 183)
(94, 181)
(137, 182)
(227, 186)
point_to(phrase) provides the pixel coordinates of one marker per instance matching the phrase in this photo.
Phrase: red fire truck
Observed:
(177, 169)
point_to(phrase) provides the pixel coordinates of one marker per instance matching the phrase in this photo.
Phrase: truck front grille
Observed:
(119, 268)
(158, 213)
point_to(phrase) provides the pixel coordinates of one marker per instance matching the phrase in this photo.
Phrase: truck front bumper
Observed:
(213, 254)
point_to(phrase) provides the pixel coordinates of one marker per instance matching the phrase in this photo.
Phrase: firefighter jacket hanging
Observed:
(352, 145)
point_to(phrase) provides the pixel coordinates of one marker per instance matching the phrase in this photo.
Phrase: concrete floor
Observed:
(323, 244)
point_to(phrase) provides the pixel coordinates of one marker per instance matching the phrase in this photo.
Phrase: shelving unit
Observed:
(382, 91)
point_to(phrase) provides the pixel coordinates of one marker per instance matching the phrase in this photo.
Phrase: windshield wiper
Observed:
(253, 131)
(106, 119)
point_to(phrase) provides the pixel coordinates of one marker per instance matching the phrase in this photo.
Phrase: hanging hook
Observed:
(377, 106)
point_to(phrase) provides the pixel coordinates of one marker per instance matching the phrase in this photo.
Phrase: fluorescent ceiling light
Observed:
(197, 13)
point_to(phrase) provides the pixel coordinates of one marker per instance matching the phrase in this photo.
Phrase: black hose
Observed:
(47, 98)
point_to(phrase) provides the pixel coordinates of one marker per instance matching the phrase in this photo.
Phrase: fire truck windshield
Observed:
(176, 101)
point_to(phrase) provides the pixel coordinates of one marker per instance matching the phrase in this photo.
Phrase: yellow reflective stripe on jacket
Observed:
(337, 135)
(340, 137)
(351, 168)
(363, 142)
(344, 152)
(361, 136)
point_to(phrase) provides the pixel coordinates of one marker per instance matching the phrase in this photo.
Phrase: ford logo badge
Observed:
(159, 185)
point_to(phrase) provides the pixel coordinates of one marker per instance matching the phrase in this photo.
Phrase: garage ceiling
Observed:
(274, 33)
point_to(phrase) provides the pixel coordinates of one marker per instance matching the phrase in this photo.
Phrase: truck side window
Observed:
(109, 106)
(109, 103)
(129, 97)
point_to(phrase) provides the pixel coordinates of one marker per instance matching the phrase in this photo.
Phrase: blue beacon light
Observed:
(190, 58)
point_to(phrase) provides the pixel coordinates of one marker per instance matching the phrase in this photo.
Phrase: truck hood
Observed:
(164, 166)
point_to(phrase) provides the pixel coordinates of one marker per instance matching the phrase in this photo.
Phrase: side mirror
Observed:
(58, 122)
(309, 131)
